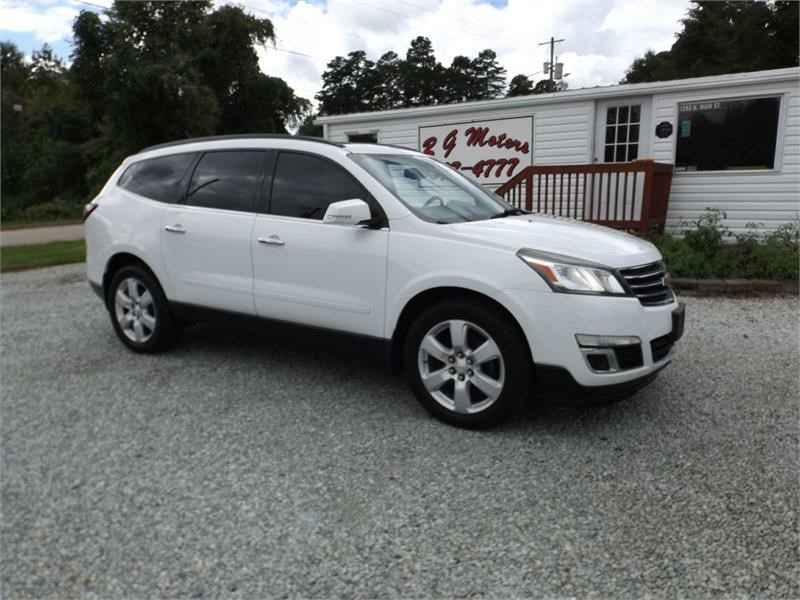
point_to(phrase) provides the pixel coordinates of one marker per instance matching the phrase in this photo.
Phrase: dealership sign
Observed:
(490, 151)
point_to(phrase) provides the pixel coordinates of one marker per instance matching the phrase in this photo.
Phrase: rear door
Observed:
(206, 237)
(331, 276)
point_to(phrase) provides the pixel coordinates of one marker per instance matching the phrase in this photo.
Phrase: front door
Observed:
(622, 130)
(206, 238)
(330, 276)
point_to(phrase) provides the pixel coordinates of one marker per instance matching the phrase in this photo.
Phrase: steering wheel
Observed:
(432, 199)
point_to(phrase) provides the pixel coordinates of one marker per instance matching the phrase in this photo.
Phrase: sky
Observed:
(601, 38)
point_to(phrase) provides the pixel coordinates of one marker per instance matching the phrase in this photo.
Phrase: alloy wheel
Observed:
(135, 310)
(461, 366)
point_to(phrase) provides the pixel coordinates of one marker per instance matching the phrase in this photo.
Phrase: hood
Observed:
(557, 235)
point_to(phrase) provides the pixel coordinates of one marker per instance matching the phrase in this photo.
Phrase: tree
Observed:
(458, 80)
(725, 37)
(355, 84)
(46, 66)
(389, 81)
(422, 74)
(520, 85)
(349, 85)
(488, 77)
(148, 72)
(89, 48)
(548, 86)
(307, 127)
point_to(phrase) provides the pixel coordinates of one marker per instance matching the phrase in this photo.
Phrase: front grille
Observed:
(629, 357)
(661, 346)
(648, 283)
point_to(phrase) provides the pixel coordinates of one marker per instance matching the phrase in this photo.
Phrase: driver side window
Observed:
(305, 185)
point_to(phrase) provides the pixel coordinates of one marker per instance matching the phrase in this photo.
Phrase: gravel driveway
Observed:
(239, 467)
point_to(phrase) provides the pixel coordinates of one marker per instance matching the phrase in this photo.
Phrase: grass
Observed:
(28, 224)
(34, 256)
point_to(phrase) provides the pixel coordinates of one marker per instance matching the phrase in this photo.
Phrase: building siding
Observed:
(769, 198)
(564, 134)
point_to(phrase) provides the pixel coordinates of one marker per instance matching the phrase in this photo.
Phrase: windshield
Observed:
(431, 190)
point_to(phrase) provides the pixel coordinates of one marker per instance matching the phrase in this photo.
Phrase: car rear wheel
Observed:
(140, 312)
(467, 364)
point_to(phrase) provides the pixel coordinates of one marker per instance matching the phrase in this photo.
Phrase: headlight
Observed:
(565, 274)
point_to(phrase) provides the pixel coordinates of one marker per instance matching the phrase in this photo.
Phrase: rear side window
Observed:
(305, 185)
(226, 180)
(156, 178)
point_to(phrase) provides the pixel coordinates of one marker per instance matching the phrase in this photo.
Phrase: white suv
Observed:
(478, 302)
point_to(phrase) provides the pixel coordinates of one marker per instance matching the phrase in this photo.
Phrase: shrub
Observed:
(50, 211)
(701, 250)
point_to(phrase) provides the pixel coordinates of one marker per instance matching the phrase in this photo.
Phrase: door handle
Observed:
(175, 229)
(272, 240)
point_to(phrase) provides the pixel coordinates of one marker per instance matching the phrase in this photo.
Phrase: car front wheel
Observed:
(467, 364)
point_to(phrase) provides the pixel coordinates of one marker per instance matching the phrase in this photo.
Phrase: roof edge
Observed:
(241, 136)
(628, 89)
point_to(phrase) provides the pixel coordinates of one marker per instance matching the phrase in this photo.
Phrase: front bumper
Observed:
(554, 385)
(550, 322)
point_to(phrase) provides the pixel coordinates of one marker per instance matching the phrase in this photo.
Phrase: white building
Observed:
(734, 140)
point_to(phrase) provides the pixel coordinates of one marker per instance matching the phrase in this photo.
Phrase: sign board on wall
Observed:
(490, 151)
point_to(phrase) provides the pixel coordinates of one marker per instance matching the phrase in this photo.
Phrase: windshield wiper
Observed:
(510, 212)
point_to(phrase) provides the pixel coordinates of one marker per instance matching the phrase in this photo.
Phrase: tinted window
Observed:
(304, 186)
(716, 135)
(156, 178)
(226, 180)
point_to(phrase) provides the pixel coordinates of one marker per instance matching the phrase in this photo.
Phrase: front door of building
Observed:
(622, 130)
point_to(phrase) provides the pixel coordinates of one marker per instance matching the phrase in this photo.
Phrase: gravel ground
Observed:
(238, 467)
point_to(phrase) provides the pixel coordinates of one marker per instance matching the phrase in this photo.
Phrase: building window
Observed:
(720, 135)
(362, 138)
(622, 133)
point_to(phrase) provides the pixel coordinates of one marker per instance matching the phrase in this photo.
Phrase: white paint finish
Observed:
(124, 223)
(209, 265)
(644, 104)
(324, 275)
(564, 133)
(560, 135)
(357, 280)
(769, 197)
(489, 151)
(525, 104)
(564, 236)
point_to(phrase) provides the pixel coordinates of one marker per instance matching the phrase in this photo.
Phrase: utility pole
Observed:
(551, 64)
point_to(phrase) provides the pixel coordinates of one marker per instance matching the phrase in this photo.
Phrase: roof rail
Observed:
(242, 136)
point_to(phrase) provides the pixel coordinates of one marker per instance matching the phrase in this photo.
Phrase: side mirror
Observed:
(347, 212)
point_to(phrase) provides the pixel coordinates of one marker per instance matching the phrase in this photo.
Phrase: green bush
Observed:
(55, 210)
(701, 251)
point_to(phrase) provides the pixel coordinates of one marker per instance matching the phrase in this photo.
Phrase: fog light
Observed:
(605, 341)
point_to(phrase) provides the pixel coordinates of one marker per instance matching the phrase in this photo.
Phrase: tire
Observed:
(456, 384)
(140, 312)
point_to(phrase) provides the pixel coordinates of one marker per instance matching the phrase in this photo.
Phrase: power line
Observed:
(298, 53)
(275, 15)
(430, 10)
(91, 4)
(393, 12)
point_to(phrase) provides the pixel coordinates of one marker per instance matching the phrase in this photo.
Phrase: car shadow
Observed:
(351, 370)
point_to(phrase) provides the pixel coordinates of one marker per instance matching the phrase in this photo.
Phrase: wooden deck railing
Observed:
(624, 195)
